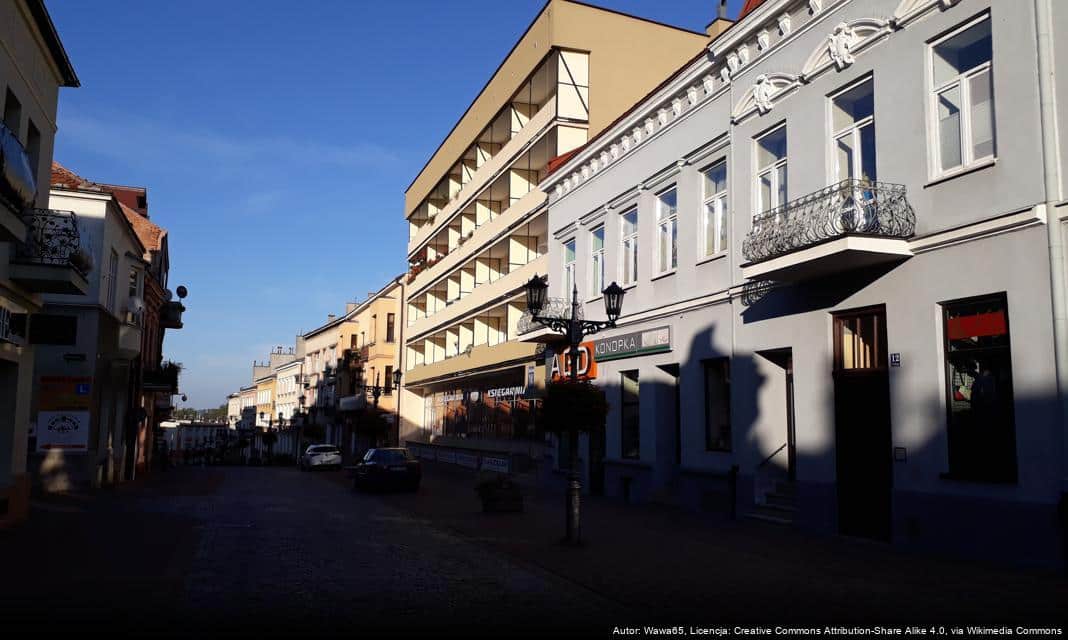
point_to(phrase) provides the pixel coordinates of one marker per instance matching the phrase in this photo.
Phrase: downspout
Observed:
(1054, 233)
(402, 350)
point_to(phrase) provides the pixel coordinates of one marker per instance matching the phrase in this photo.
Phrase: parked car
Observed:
(386, 468)
(321, 456)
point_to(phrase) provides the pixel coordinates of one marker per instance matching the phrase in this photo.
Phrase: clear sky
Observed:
(276, 139)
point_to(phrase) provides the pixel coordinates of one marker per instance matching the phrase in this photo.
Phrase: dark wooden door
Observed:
(862, 424)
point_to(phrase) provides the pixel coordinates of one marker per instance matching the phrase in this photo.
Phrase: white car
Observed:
(321, 456)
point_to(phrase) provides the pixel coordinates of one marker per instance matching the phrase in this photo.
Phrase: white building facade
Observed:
(840, 234)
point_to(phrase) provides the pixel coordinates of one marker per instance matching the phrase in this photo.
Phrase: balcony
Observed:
(18, 185)
(849, 225)
(51, 259)
(164, 379)
(170, 315)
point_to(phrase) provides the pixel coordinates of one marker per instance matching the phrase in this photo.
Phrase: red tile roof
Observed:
(150, 234)
(64, 177)
(749, 7)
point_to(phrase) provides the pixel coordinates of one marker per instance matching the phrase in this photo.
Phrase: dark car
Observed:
(390, 468)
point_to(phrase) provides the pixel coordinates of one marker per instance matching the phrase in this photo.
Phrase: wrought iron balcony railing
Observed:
(54, 240)
(163, 379)
(851, 207)
(17, 180)
(554, 308)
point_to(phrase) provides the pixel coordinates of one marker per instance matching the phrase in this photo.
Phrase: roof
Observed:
(64, 177)
(149, 233)
(52, 41)
(749, 7)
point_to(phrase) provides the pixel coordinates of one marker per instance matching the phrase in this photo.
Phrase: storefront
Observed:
(498, 406)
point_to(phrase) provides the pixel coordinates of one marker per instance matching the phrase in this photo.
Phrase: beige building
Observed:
(322, 347)
(33, 66)
(477, 221)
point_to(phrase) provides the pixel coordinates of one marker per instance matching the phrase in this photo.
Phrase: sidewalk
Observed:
(675, 567)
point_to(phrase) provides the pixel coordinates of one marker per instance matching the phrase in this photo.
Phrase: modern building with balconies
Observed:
(841, 235)
(477, 219)
(40, 250)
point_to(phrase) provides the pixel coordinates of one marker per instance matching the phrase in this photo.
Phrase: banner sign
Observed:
(587, 364)
(628, 345)
(63, 413)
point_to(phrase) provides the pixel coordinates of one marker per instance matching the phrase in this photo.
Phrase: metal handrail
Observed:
(850, 207)
(53, 239)
(773, 454)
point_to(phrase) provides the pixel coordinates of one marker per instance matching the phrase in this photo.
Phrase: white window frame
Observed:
(853, 130)
(670, 225)
(718, 218)
(597, 266)
(963, 81)
(773, 170)
(632, 238)
(569, 267)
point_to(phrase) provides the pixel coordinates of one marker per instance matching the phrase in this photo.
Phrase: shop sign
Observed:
(628, 345)
(506, 392)
(467, 460)
(587, 364)
(63, 413)
(495, 464)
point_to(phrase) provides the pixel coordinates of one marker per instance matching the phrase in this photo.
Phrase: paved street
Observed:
(248, 549)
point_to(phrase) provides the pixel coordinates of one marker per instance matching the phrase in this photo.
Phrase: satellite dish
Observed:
(182, 291)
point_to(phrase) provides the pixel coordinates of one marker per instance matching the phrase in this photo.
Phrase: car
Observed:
(388, 468)
(320, 456)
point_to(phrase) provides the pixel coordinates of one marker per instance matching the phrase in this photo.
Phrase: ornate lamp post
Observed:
(574, 329)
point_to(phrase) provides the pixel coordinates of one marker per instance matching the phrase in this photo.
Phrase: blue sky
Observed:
(276, 140)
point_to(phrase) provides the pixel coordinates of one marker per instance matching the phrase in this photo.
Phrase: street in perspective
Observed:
(533, 318)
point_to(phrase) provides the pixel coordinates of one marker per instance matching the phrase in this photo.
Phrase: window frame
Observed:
(772, 170)
(623, 405)
(569, 266)
(597, 262)
(962, 82)
(723, 228)
(112, 276)
(727, 439)
(624, 238)
(853, 130)
(671, 221)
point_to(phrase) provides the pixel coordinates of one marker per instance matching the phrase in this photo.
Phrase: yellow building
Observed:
(265, 393)
(477, 220)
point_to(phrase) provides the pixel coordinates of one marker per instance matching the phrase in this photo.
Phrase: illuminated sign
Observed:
(587, 364)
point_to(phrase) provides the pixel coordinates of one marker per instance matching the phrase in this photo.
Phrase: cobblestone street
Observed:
(237, 549)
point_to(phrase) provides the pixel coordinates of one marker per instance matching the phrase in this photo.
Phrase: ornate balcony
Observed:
(18, 185)
(170, 315)
(52, 260)
(852, 224)
(164, 379)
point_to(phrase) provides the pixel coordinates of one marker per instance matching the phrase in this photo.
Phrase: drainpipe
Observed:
(1054, 233)
(402, 351)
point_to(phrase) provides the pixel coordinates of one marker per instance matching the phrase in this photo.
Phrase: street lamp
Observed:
(575, 329)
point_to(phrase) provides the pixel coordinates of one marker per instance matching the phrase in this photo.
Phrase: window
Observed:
(391, 323)
(771, 170)
(353, 342)
(667, 230)
(629, 246)
(853, 133)
(718, 404)
(113, 277)
(53, 329)
(134, 288)
(597, 260)
(569, 267)
(963, 96)
(981, 428)
(374, 326)
(389, 380)
(715, 209)
(630, 422)
(33, 147)
(12, 112)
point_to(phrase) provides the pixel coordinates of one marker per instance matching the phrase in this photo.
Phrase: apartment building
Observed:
(322, 347)
(87, 346)
(233, 410)
(33, 67)
(370, 359)
(840, 237)
(477, 219)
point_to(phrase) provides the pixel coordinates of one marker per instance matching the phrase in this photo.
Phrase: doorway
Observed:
(862, 423)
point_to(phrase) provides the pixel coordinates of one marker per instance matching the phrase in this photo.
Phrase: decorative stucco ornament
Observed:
(839, 44)
(762, 91)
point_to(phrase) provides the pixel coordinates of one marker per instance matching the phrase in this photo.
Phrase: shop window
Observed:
(718, 404)
(980, 427)
(630, 419)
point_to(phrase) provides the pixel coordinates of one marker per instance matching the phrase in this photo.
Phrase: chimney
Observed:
(720, 24)
(349, 306)
(330, 317)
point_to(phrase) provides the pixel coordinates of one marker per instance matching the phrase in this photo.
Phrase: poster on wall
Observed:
(63, 413)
